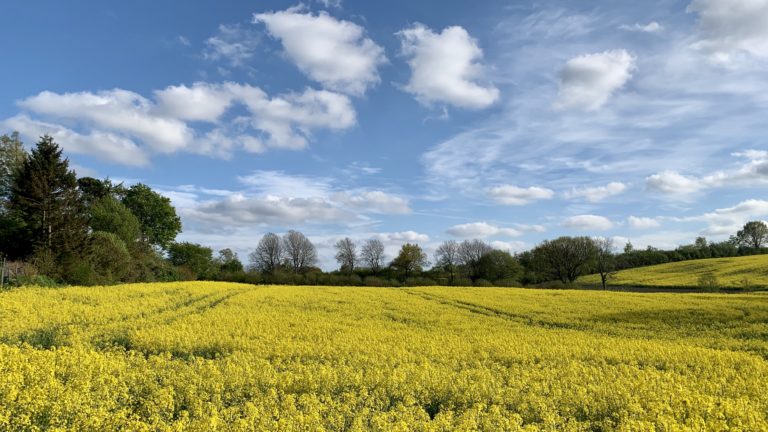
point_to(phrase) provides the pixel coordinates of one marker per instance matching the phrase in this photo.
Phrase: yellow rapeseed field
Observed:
(748, 272)
(228, 357)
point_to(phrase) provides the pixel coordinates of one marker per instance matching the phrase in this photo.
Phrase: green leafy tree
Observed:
(753, 235)
(108, 258)
(410, 260)
(198, 259)
(93, 190)
(45, 196)
(110, 215)
(229, 261)
(565, 258)
(157, 217)
(499, 265)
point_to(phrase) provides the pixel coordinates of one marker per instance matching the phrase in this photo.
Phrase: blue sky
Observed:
(407, 121)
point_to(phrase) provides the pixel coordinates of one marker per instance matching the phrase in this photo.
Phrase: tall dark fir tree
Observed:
(46, 198)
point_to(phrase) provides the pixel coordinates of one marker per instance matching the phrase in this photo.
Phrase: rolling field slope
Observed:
(217, 356)
(749, 272)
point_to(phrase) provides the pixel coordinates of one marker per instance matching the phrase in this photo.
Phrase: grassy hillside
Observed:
(749, 272)
(216, 356)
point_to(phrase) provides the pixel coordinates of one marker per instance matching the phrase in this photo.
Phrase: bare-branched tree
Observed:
(346, 254)
(372, 255)
(299, 251)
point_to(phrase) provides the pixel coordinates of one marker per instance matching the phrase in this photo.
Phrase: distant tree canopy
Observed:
(753, 235)
(91, 231)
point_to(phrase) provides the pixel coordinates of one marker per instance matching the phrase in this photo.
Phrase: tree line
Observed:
(57, 228)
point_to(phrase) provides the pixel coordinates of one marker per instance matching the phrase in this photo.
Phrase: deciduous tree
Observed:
(372, 255)
(346, 254)
(410, 260)
(157, 217)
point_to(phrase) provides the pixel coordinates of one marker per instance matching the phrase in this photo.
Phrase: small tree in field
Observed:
(605, 259)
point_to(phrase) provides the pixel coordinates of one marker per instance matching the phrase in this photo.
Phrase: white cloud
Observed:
(239, 210)
(588, 81)
(481, 230)
(116, 110)
(373, 201)
(509, 246)
(587, 223)
(750, 174)
(643, 222)
(726, 27)
(651, 27)
(125, 118)
(445, 67)
(288, 119)
(514, 195)
(596, 193)
(102, 145)
(200, 102)
(333, 52)
(278, 183)
(233, 44)
(728, 220)
(672, 182)
(402, 237)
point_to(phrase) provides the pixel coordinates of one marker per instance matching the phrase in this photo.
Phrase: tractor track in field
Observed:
(492, 312)
(109, 331)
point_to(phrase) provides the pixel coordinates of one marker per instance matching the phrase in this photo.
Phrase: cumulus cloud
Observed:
(445, 67)
(102, 145)
(651, 27)
(514, 195)
(481, 230)
(200, 102)
(116, 110)
(588, 81)
(402, 237)
(596, 193)
(509, 246)
(333, 52)
(753, 172)
(239, 210)
(643, 222)
(728, 220)
(233, 44)
(726, 27)
(126, 119)
(588, 223)
(373, 201)
(276, 198)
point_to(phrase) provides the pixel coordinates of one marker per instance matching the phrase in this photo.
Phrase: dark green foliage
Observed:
(565, 258)
(45, 197)
(497, 265)
(410, 260)
(196, 259)
(157, 218)
(110, 215)
(229, 262)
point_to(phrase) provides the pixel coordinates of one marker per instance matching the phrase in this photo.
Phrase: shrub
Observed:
(708, 281)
